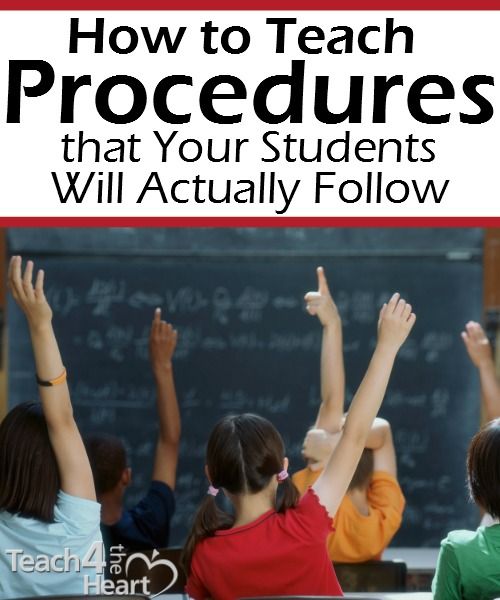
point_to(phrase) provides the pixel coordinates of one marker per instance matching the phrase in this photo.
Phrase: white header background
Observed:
(455, 45)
